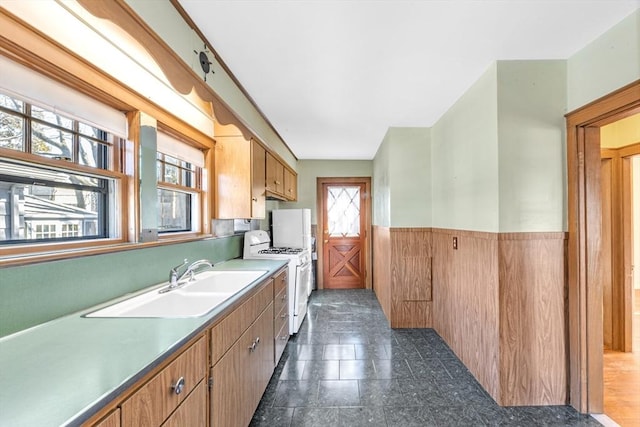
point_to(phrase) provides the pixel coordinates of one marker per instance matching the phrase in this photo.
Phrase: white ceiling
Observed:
(333, 75)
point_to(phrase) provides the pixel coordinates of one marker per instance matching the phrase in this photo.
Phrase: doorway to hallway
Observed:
(584, 249)
(620, 197)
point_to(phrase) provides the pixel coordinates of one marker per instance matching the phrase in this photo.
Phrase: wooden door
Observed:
(343, 234)
(617, 246)
(607, 251)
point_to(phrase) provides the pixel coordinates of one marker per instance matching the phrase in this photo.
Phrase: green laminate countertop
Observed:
(63, 371)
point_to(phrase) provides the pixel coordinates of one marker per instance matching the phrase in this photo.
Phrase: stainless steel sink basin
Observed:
(192, 299)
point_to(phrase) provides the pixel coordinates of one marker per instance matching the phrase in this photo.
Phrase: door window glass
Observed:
(343, 211)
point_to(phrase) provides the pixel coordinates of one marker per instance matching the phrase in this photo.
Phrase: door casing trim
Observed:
(584, 209)
(367, 220)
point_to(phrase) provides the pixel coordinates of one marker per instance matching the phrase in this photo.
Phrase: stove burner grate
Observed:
(280, 251)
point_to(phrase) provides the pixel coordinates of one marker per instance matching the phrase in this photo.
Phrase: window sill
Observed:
(16, 256)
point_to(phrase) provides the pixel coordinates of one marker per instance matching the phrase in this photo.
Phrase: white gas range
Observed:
(257, 246)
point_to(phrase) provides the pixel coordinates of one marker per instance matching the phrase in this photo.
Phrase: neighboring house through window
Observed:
(179, 173)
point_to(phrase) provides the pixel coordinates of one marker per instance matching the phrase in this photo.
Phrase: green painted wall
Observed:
(464, 160)
(309, 170)
(531, 145)
(606, 64)
(402, 176)
(38, 293)
(380, 184)
(162, 17)
(410, 177)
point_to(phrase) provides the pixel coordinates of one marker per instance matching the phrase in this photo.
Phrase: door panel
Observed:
(607, 276)
(343, 235)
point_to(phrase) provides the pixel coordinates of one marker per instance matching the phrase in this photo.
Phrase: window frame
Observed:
(194, 191)
(109, 159)
(74, 73)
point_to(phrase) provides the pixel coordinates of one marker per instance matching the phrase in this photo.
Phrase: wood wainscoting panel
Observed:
(410, 278)
(466, 301)
(381, 267)
(533, 350)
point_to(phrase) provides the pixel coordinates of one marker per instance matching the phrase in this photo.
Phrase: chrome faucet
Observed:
(194, 266)
(174, 277)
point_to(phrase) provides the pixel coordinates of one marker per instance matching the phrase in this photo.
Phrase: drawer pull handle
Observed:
(178, 386)
(283, 316)
(255, 199)
(284, 297)
(254, 344)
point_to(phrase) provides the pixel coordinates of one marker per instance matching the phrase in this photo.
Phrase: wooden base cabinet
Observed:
(239, 351)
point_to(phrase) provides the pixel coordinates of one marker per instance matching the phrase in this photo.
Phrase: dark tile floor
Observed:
(346, 367)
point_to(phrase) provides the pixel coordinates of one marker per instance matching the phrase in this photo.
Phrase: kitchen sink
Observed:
(192, 299)
(223, 280)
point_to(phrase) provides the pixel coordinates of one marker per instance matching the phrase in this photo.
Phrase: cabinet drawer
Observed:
(193, 411)
(112, 420)
(225, 333)
(281, 302)
(281, 338)
(280, 282)
(152, 404)
(281, 317)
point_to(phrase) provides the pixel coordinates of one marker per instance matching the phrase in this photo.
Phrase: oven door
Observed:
(301, 294)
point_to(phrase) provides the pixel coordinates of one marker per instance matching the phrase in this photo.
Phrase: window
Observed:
(43, 200)
(179, 173)
(70, 230)
(45, 231)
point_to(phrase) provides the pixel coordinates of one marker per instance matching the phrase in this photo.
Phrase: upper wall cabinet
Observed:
(233, 178)
(281, 181)
(244, 169)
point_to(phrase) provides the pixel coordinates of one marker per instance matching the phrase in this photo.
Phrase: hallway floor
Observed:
(622, 378)
(346, 367)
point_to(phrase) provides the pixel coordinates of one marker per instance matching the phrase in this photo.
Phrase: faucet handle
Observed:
(186, 261)
(173, 273)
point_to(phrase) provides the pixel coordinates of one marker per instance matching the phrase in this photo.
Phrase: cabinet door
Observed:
(193, 411)
(290, 185)
(242, 374)
(233, 177)
(263, 328)
(258, 179)
(275, 175)
(112, 420)
(229, 392)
